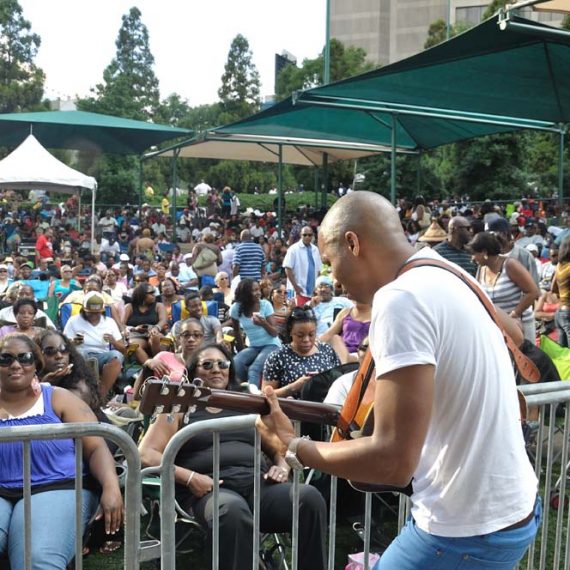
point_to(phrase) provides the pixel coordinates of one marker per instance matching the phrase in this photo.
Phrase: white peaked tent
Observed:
(31, 167)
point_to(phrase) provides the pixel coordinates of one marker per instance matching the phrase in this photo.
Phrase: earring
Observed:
(485, 257)
(36, 387)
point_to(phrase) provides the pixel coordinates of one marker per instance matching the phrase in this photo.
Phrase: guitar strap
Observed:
(525, 366)
(355, 395)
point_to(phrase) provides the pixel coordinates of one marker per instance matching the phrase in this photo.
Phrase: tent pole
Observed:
(280, 193)
(419, 178)
(174, 184)
(141, 183)
(93, 219)
(393, 163)
(325, 181)
(316, 188)
(79, 211)
(327, 55)
(561, 167)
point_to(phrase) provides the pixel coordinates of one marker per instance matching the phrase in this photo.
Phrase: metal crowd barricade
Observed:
(132, 491)
(549, 452)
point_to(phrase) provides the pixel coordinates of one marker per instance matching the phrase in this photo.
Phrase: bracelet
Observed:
(190, 478)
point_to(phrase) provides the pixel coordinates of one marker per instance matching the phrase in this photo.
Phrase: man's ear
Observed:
(352, 242)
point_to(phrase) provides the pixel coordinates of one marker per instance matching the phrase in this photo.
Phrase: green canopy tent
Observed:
(299, 148)
(311, 135)
(80, 130)
(506, 72)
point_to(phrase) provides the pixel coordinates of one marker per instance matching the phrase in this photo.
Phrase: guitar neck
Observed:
(300, 410)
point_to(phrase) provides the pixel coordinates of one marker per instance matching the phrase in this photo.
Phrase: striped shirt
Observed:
(506, 294)
(458, 256)
(250, 257)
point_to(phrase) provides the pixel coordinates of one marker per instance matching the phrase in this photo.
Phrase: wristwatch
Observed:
(291, 454)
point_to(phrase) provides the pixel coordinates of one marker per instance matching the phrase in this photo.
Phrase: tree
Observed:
(130, 90)
(21, 81)
(493, 7)
(345, 62)
(437, 32)
(239, 93)
(130, 87)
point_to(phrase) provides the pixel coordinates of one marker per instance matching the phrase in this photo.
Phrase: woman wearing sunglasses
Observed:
(173, 365)
(193, 473)
(145, 319)
(66, 368)
(25, 402)
(288, 369)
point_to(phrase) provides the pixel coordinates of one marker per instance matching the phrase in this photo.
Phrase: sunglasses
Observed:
(303, 313)
(53, 350)
(24, 358)
(307, 235)
(209, 364)
(191, 335)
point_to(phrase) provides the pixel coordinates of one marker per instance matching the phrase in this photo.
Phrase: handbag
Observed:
(205, 258)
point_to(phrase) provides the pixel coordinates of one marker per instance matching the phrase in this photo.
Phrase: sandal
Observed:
(110, 546)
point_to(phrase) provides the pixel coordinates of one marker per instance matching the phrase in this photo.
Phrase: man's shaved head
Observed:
(362, 238)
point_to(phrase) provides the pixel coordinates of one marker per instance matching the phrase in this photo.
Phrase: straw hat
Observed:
(434, 234)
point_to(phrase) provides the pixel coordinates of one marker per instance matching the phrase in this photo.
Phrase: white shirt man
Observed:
(300, 276)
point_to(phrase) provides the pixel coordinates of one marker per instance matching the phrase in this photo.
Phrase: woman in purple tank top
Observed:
(26, 402)
(348, 330)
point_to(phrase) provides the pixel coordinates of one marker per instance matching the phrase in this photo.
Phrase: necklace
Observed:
(491, 286)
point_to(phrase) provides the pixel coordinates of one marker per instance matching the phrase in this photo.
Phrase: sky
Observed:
(189, 39)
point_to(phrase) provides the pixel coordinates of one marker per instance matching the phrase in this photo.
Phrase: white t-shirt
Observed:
(93, 335)
(474, 476)
(339, 389)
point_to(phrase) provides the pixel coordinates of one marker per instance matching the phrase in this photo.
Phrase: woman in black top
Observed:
(193, 473)
(294, 364)
(146, 320)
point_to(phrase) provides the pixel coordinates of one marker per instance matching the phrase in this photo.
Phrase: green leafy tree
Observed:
(130, 90)
(490, 167)
(130, 87)
(437, 32)
(239, 93)
(345, 62)
(21, 81)
(493, 7)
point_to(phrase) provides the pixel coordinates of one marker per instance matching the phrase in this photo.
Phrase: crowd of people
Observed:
(233, 301)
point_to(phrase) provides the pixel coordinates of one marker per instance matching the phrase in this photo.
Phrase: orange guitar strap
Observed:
(355, 395)
(525, 366)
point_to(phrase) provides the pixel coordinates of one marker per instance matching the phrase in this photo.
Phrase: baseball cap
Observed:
(499, 225)
(124, 257)
(533, 248)
(93, 303)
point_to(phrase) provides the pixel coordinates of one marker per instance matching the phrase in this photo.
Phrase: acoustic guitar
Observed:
(354, 420)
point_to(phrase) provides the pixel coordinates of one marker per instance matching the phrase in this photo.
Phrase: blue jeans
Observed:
(502, 550)
(562, 320)
(249, 363)
(52, 528)
(106, 357)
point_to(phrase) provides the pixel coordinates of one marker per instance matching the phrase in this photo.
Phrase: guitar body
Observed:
(357, 420)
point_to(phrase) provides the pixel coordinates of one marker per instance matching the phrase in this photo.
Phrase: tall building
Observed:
(390, 30)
